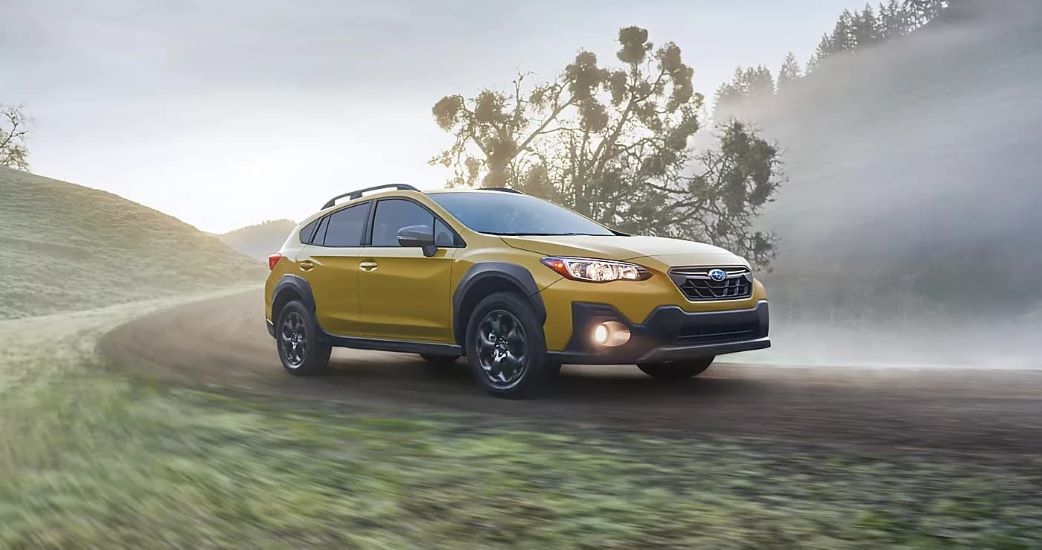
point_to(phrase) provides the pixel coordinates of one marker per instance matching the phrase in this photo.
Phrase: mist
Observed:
(910, 223)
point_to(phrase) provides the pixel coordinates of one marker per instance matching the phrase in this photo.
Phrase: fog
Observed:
(910, 227)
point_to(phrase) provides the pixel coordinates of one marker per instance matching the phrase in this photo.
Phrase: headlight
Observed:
(596, 271)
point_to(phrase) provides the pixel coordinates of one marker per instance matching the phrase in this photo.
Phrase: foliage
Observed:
(13, 150)
(614, 144)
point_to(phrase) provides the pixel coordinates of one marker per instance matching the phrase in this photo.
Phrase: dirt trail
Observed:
(223, 342)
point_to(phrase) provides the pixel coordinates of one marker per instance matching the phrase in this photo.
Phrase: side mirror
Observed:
(418, 236)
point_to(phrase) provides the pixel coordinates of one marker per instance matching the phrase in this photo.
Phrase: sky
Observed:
(225, 113)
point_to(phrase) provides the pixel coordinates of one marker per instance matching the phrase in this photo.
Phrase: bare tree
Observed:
(13, 150)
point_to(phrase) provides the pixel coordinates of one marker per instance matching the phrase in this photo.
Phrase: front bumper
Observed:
(669, 333)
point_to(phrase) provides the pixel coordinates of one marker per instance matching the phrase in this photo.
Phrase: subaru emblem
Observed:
(717, 275)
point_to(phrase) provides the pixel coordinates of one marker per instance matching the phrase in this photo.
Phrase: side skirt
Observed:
(402, 346)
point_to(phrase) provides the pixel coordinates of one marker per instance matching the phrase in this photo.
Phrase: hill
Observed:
(260, 240)
(67, 247)
(914, 172)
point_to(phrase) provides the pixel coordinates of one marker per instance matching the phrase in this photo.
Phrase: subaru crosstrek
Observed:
(516, 284)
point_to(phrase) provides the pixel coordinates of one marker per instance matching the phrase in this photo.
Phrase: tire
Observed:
(505, 346)
(440, 361)
(296, 338)
(677, 370)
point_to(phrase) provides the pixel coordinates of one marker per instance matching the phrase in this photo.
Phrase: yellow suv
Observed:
(516, 284)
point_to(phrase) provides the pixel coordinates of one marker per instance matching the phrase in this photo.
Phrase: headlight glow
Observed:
(596, 271)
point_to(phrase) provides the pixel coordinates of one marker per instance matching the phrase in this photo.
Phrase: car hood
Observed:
(612, 247)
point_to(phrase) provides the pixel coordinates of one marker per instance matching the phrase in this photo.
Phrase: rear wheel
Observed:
(441, 361)
(505, 346)
(296, 336)
(677, 370)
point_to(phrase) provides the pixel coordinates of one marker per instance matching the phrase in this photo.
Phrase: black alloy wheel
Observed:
(505, 345)
(293, 339)
(502, 348)
(297, 337)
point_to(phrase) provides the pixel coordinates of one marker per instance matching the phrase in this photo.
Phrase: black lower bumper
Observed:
(669, 333)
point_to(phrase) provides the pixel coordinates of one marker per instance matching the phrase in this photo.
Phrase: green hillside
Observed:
(261, 240)
(66, 247)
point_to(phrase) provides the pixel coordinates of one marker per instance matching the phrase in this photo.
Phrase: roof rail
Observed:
(358, 194)
(501, 190)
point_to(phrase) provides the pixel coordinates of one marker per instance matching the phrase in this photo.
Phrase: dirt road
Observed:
(223, 343)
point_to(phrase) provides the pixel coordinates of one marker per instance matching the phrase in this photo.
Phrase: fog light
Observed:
(610, 334)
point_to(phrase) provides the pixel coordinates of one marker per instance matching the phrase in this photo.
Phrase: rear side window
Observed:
(320, 232)
(346, 227)
(308, 232)
(394, 214)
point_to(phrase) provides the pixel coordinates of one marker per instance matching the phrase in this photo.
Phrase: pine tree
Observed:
(865, 27)
(823, 50)
(747, 84)
(893, 22)
(730, 94)
(842, 35)
(789, 72)
(759, 82)
(921, 12)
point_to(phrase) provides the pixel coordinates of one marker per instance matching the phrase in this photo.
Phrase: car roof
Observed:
(398, 190)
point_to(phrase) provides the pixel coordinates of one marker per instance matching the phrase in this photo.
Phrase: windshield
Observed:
(500, 213)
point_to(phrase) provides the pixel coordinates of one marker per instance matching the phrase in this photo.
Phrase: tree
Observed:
(892, 20)
(864, 27)
(614, 144)
(789, 71)
(720, 202)
(823, 50)
(13, 150)
(842, 38)
(753, 83)
(921, 12)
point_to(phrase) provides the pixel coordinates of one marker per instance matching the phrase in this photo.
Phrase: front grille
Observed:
(696, 284)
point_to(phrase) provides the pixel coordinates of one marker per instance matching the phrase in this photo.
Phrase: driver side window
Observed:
(394, 214)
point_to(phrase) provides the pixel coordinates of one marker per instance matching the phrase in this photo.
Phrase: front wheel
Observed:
(505, 346)
(677, 370)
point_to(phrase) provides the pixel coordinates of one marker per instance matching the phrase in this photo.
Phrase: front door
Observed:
(403, 294)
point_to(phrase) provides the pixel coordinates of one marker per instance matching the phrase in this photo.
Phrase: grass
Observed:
(89, 457)
(67, 247)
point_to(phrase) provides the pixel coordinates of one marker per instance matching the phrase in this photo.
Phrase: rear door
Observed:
(330, 264)
(405, 295)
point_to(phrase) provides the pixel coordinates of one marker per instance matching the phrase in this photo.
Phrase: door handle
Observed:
(306, 265)
(368, 265)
